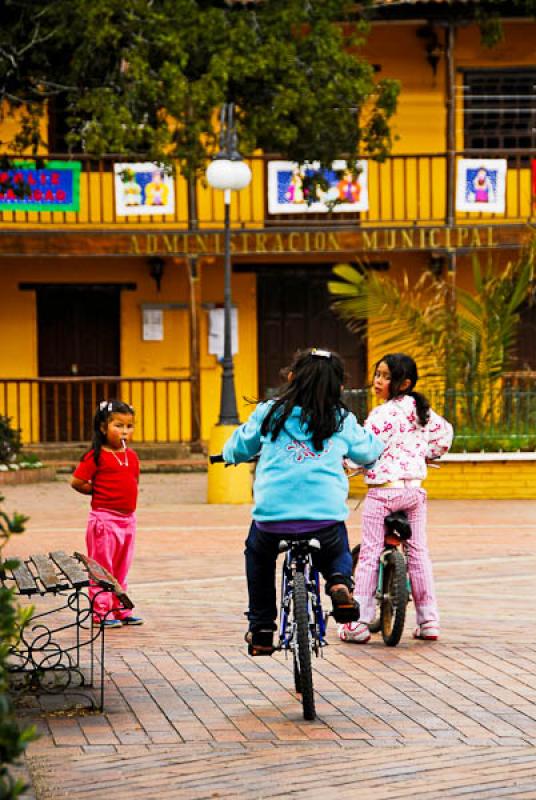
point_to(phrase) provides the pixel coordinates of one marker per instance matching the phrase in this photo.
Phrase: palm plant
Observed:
(462, 341)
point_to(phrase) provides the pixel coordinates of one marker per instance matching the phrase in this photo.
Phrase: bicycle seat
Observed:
(398, 523)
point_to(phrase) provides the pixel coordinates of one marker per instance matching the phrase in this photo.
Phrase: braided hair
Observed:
(104, 411)
(402, 367)
(315, 385)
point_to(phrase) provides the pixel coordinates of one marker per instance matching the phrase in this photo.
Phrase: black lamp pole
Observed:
(228, 409)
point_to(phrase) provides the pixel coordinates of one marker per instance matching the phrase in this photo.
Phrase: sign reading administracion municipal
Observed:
(289, 242)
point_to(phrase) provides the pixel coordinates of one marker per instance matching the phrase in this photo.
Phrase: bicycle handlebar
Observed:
(217, 459)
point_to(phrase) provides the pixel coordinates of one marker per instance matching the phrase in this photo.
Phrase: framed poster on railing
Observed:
(52, 187)
(481, 185)
(293, 190)
(143, 188)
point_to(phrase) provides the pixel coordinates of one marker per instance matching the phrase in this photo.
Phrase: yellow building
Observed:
(102, 300)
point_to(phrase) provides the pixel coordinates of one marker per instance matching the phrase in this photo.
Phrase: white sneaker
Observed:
(356, 632)
(429, 631)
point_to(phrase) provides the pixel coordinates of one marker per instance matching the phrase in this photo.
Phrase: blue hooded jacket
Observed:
(293, 481)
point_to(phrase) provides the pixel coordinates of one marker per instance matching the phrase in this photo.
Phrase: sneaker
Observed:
(260, 643)
(131, 621)
(356, 632)
(429, 631)
(108, 623)
(345, 608)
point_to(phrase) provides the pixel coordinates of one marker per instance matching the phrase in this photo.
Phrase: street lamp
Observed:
(228, 172)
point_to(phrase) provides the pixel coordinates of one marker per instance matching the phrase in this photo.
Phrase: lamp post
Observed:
(228, 172)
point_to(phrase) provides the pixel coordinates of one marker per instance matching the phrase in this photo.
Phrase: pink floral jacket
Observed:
(407, 444)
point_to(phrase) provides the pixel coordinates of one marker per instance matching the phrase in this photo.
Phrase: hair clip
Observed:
(103, 405)
(320, 353)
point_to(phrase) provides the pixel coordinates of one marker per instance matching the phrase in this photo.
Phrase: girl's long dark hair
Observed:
(316, 387)
(102, 415)
(402, 367)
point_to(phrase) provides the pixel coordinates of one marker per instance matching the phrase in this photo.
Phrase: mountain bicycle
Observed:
(302, 622)
(393, 590)
(302, 625)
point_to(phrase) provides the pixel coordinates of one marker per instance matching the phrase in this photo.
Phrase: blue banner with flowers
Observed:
(54, 187)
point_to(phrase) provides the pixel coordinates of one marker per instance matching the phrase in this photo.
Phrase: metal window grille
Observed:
(499, 108)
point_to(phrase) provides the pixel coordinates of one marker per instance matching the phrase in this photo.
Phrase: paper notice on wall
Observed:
(153, 325)
(216, 323)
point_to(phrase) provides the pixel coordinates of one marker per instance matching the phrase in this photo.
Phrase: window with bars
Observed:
(499, 109)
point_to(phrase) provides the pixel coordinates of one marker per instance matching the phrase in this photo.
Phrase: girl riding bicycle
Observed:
(300, 484)
(412, 434)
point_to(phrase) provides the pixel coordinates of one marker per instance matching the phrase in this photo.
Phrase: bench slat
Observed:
(71, 568)
(105, 579)
(24, 578)
(46, 573)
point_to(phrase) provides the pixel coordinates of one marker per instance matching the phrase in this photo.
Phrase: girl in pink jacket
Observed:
(412, 434)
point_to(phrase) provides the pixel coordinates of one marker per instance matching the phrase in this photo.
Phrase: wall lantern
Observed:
(156, 270)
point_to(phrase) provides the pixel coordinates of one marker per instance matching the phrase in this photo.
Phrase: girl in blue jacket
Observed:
(301, 488)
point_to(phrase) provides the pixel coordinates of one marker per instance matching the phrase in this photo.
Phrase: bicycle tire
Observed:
(297, 676)
(376, 625)
(394, 598)
(303, 646)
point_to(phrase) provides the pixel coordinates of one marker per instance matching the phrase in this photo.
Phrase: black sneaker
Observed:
(345, 607)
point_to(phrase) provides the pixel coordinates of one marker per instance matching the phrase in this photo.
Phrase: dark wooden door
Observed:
(78, 335)
(293, 313)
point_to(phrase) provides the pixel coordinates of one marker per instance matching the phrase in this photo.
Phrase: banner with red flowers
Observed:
(54, 187)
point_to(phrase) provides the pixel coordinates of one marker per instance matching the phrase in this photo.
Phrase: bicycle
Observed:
(302, 626)
(393, 590)
(302, 622)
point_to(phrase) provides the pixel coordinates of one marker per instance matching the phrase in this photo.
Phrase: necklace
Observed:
(121, 463)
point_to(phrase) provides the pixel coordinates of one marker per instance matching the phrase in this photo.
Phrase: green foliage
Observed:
(488, 15)
(145, 78)
(10, 443)
(13, 740)
(467, 337)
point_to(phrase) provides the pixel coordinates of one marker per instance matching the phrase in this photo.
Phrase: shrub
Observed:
(10, 443)
(13, 740)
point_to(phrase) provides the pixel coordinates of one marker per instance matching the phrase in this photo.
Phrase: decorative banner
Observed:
(56, 187)
(143, 189)
(481, 185)
(289, 186)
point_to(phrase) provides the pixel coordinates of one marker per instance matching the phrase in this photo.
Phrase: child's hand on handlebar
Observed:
(351, 468)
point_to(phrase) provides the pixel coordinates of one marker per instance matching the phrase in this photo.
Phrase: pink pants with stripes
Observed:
(378, 503)
(110, 542)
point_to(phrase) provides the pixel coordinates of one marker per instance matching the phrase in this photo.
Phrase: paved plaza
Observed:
(189, 715)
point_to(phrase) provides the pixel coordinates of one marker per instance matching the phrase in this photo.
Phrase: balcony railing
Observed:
(408, 189)
(62, 409)
(501, 419)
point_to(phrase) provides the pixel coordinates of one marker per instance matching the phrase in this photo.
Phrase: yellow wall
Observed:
(465, 480)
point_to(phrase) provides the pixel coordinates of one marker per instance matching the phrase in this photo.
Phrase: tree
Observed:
(139, 77)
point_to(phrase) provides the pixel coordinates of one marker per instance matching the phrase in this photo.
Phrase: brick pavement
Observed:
(189, 715)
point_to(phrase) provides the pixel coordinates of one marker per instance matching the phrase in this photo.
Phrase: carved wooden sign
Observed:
(262, 243)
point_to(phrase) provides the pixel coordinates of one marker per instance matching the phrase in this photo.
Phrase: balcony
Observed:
(404, 190)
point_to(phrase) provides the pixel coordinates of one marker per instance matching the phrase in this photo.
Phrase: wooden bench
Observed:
(57, 648)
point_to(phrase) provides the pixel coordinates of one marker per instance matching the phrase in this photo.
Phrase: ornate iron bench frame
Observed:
(45, 659)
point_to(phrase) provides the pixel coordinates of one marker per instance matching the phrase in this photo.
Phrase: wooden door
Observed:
(78, 335)
(294, 312)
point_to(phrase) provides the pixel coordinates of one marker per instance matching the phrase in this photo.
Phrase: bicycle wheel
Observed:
(376, 624)
(395, 598)
(302, 647)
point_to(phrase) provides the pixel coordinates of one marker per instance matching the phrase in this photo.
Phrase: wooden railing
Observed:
(62, 409)
(406, 189)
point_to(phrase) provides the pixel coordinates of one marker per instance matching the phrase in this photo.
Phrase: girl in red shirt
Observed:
(109, 472)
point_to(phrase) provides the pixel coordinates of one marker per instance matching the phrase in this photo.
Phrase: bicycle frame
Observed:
(392, 542)
(298, 559)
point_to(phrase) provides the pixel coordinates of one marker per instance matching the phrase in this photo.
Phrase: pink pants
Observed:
(378, 503)
(110, 542)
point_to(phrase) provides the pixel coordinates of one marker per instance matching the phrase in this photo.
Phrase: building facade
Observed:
(98, 300)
